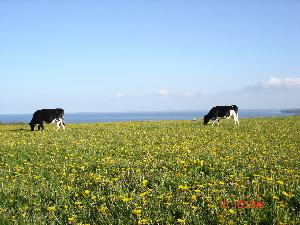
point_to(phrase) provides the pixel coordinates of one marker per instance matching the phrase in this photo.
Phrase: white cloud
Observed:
(274, 92)
(279, 82)
(200, 93)
(164, 92)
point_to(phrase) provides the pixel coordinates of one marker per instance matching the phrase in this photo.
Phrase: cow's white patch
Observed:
(217, 120)
(232, 114)
(235, 117)
(62, 124)
(59, 123)
(55, 120)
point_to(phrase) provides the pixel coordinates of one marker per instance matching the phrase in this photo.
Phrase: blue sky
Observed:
(107, 56)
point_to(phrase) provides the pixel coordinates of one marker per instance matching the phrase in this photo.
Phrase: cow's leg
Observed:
(215, 121)
(62, 124)
(58, 124)
(236, 119)
(40, 125)
(229, 117)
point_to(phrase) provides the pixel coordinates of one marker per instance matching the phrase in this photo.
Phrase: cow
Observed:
(47, 116)
(220, 112)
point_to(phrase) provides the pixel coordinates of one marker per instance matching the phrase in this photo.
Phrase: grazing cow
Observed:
(220, 112)
(48, 116)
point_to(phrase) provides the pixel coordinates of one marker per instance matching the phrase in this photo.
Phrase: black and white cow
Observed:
(47, 116)
(222, 112)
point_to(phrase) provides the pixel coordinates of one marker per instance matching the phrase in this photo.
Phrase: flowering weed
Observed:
(166, 172)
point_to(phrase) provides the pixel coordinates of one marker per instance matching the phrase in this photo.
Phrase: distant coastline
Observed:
(294, 111)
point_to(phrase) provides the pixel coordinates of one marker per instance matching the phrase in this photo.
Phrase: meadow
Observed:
(163, 172)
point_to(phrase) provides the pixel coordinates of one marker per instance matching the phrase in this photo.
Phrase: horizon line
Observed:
(155, 111)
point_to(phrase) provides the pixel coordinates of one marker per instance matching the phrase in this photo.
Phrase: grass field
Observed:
(166, 172)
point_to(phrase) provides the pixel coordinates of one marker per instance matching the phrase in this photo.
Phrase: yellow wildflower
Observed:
(232, 211)
(102, 209)
(144, 183)
(72, 219)
(183, 187)
(142, 221)
(181, 220)
(137, 212)
(275, 197)
(280, 182)
(143, 194)
(194, 197)
(286, 194)
(51, 208)
(127, 199)
(194, 208)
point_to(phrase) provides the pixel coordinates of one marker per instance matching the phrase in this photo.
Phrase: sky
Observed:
(152, 55)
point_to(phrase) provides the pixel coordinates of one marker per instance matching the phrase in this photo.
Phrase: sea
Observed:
(140, 116)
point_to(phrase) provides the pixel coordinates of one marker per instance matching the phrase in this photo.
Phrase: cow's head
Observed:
(206, 119)
(32, 126)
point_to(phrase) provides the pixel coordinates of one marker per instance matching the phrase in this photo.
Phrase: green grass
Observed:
(166, 172)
